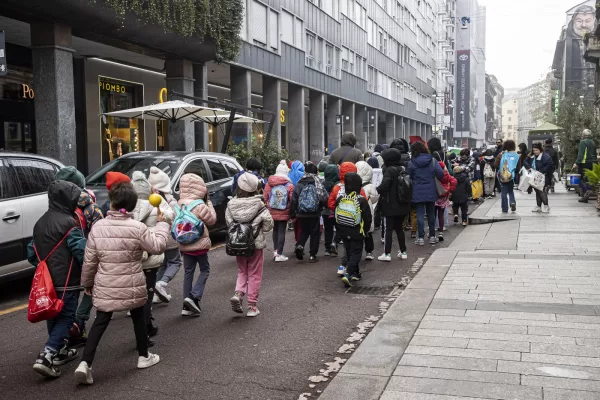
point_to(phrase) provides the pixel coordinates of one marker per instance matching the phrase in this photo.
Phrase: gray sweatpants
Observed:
(170, 267)
(189, 266)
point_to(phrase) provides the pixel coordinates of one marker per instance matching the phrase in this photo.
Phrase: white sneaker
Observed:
(383, 240)
(536, 209)
(156, 299)
(83, 374)
(252, 311)
(341, 270)
(274, 255)
(280, 258)
(369, 256)
(161, 292)
(146, 362)
(385, 257)
(545, 209)
(402, 255)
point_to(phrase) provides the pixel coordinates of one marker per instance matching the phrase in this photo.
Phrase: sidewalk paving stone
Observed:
(561, 394)
(455, 374)
(543, 369)
(523, 347)
(473, 364)
(468, 353)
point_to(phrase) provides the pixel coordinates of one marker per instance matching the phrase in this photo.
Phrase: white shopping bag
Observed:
(524, 181)
(537, 180)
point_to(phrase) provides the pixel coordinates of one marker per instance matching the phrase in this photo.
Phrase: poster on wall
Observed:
(579, 73)
(463, 92)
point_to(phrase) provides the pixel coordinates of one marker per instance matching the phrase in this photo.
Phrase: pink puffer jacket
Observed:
(276, 180)
(192, 187)
(112, 265)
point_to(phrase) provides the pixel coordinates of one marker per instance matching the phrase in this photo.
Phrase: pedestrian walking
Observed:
(87, 214)
(112, 273)
(541, 161)
(489, 174)
(253, 166)
(460, 196)
(346, 152)
(443, 202)
(353, 217)
(59, 242)
(147, 214)
(296, 173)
(423, 170)
(332, 178)
(278, 198)
(161, 185)
(194, 196)
(523, 154)
(506, 170)
(365, 172)
(550, 150)
(248, 207)
(112, 178)
(394, 207)
(308, 201)
(586, 158)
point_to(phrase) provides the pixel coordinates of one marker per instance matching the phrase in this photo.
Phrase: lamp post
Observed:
(435, 112)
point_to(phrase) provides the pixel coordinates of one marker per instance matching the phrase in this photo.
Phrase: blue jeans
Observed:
(421, 209)
(506, 191)
(189, 266)
(170, 267)
(437, 223)
(58, 328)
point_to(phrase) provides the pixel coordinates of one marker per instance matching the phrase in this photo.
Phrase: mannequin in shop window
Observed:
(107, 150)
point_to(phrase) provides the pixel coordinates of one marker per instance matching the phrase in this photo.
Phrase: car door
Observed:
(11, 224)
(34, 177)
(219, 189)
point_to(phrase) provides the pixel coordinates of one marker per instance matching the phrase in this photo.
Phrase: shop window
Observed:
(120, 136)
(217, 170)
(34, 176)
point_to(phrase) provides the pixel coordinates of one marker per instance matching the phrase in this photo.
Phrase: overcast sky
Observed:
(521, 38)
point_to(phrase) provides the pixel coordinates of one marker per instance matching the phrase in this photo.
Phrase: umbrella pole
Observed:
(228, 132)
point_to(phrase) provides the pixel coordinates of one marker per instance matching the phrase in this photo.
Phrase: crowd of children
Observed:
(142, 236)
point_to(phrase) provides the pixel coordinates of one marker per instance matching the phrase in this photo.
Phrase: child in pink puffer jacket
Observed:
(278, 202)
(192, 187)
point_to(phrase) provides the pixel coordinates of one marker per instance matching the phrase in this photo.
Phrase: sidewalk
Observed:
(511, 310)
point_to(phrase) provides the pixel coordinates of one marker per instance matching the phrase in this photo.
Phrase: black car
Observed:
(216, 169)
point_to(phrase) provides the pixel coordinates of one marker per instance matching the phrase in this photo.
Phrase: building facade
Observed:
(445, 61)
(324, 67)
(510, 119)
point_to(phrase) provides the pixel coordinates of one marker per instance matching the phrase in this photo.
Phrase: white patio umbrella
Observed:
(174, 110)
(219, 119)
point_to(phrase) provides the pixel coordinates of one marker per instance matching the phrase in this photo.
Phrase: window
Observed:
(350, 9)
(380, 41)
(509, 111)
(287, 27)
(319, 52)
(196, 167)
(509, 119)
(385, 40)
(217, 170)
(344, 7)
(357, 9)
(8, 183)
(370, 32)
(230, 167)
(34, 176)
(336, 66)
(370, 79)
(344, 58)
(273, 30)
(351, 62)
(510, 126)
(363, 18)
(259, 22)
(298, 33)
(310, 49)
(328, 59)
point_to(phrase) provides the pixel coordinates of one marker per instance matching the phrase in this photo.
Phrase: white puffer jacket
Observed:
(244, 210)
(365, 172)
(147, 214)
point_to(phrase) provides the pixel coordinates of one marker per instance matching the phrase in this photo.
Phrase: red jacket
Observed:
(448, 181)
(274, 180)
(344, 169)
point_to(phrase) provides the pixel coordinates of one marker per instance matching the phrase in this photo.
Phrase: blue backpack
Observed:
(278, 199)
(308, 201)
(187, 228)
(508, 166)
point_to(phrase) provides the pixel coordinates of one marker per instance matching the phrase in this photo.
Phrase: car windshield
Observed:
(129, 164)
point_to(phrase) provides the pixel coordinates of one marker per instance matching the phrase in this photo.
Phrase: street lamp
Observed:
(435, 111)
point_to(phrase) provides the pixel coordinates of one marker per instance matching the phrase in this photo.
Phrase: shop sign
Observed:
(3, 65)
(27, 92)
(112, 87)
(282, 116)
(163, 95)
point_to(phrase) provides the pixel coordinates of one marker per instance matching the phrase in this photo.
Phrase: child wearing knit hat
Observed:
(112, 178)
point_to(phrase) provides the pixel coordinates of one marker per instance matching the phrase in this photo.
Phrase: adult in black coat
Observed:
(402, 146)
(346, 152)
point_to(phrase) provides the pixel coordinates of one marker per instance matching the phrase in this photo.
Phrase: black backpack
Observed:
(240, 238)
(404, 186)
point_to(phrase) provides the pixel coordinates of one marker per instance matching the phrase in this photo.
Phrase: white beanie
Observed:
(140, 184)
(282, 170)
(248, 182)
(159, 180)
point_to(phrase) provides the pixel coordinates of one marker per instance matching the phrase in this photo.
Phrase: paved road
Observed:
(306, 315)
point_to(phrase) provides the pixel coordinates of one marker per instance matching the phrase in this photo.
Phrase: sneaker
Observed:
(77, 337)
(383, 240)
(147, 362)
(333, 250)
(513, 207)
(274, 255)
(83, 374)
(445, 228)
(312, 259)
(433, 240)
(356, 277)
(161, 292)
(64, 356)
(441, 236)
(44, 366)
(545, 209)
(456, 219)
(327, 253)
(420, 242)
(402, 255)
(252, 311)
(536, 209)
(346, 280)
(186, 311)
(299, 252)
(464, 223)
(193, 304)
(385, 257)
(156, 299)
(151, 329)
(341, 270)
(236, 302)
(369, 256)
(413, 235)
(280, 258)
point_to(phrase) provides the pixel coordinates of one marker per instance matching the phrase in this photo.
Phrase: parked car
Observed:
(216, 169)
(24, 180)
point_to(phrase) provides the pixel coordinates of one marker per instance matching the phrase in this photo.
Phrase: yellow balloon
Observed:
(155, 199)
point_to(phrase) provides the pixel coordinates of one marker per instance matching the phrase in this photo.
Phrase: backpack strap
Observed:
(344, 156)
(194, 204)
(53, 250)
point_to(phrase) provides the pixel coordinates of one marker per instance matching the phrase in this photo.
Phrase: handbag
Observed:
(440, 189)
(477, 189)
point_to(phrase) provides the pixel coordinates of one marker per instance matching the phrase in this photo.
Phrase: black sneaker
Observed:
(151, 329)
(65, 355)
(441, 236)
(186, 311)
(456, 219)
(513, 207)
(312, 259)
(193, 305)
(299, 252)
(44, 366)
(356, 277)
(333, 250)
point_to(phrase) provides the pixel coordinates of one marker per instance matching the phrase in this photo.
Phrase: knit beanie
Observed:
(71, 174)
(113, 178)
(248, 182)
(282, 170)
(372, 161)
(159, 180)
(140, 184)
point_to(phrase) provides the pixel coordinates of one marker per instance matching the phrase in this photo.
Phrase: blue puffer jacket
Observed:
(421, 171)
(541, 163)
